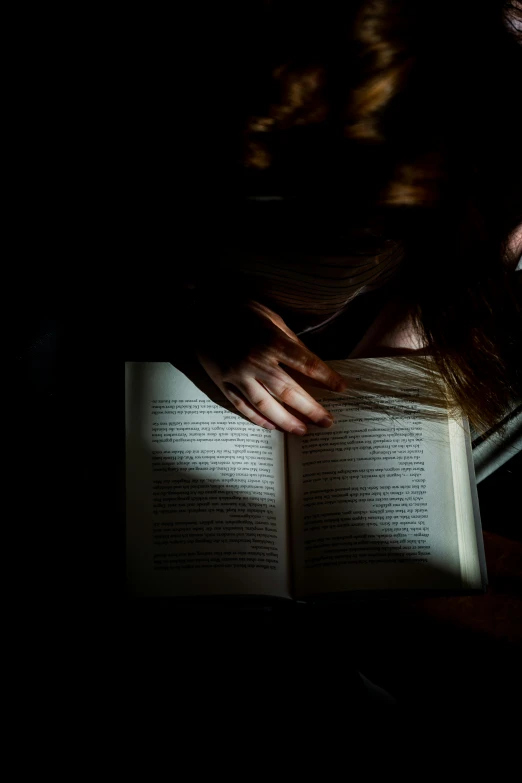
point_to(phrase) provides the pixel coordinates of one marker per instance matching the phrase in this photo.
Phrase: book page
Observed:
(471, 545)
(206, 509)
(372, 502)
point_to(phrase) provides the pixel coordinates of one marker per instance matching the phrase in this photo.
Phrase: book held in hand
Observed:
(384, 500)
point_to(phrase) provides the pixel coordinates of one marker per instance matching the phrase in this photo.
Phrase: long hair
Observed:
(403, 116)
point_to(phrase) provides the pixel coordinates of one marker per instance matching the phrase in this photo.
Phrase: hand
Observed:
(242, 351)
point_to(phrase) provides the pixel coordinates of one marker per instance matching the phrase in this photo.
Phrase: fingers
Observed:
(295, 354)
(262, 406)
(287, 391)
(298, 357)
(246, 368)
(263, 402)
(233, 394)
(264, 394)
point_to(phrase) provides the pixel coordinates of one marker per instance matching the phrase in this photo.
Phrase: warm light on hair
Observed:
(410, 108)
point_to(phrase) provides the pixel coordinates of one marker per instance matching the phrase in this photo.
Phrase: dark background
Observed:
(463, 650)
(102, 195)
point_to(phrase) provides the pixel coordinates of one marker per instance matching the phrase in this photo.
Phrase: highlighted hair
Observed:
(406, 112)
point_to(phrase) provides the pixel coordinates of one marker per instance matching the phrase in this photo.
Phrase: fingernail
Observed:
(326, 421)
(300, 430)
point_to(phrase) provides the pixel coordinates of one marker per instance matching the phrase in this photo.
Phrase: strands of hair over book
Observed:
(399, 388)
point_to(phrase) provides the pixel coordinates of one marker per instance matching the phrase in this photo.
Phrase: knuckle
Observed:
(287, 393)
(311, 363)
(239, 405)
(262, 404)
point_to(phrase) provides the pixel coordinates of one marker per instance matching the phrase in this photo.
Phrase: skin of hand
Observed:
(242, 350)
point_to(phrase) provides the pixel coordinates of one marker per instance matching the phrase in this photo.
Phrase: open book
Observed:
(385, 499)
